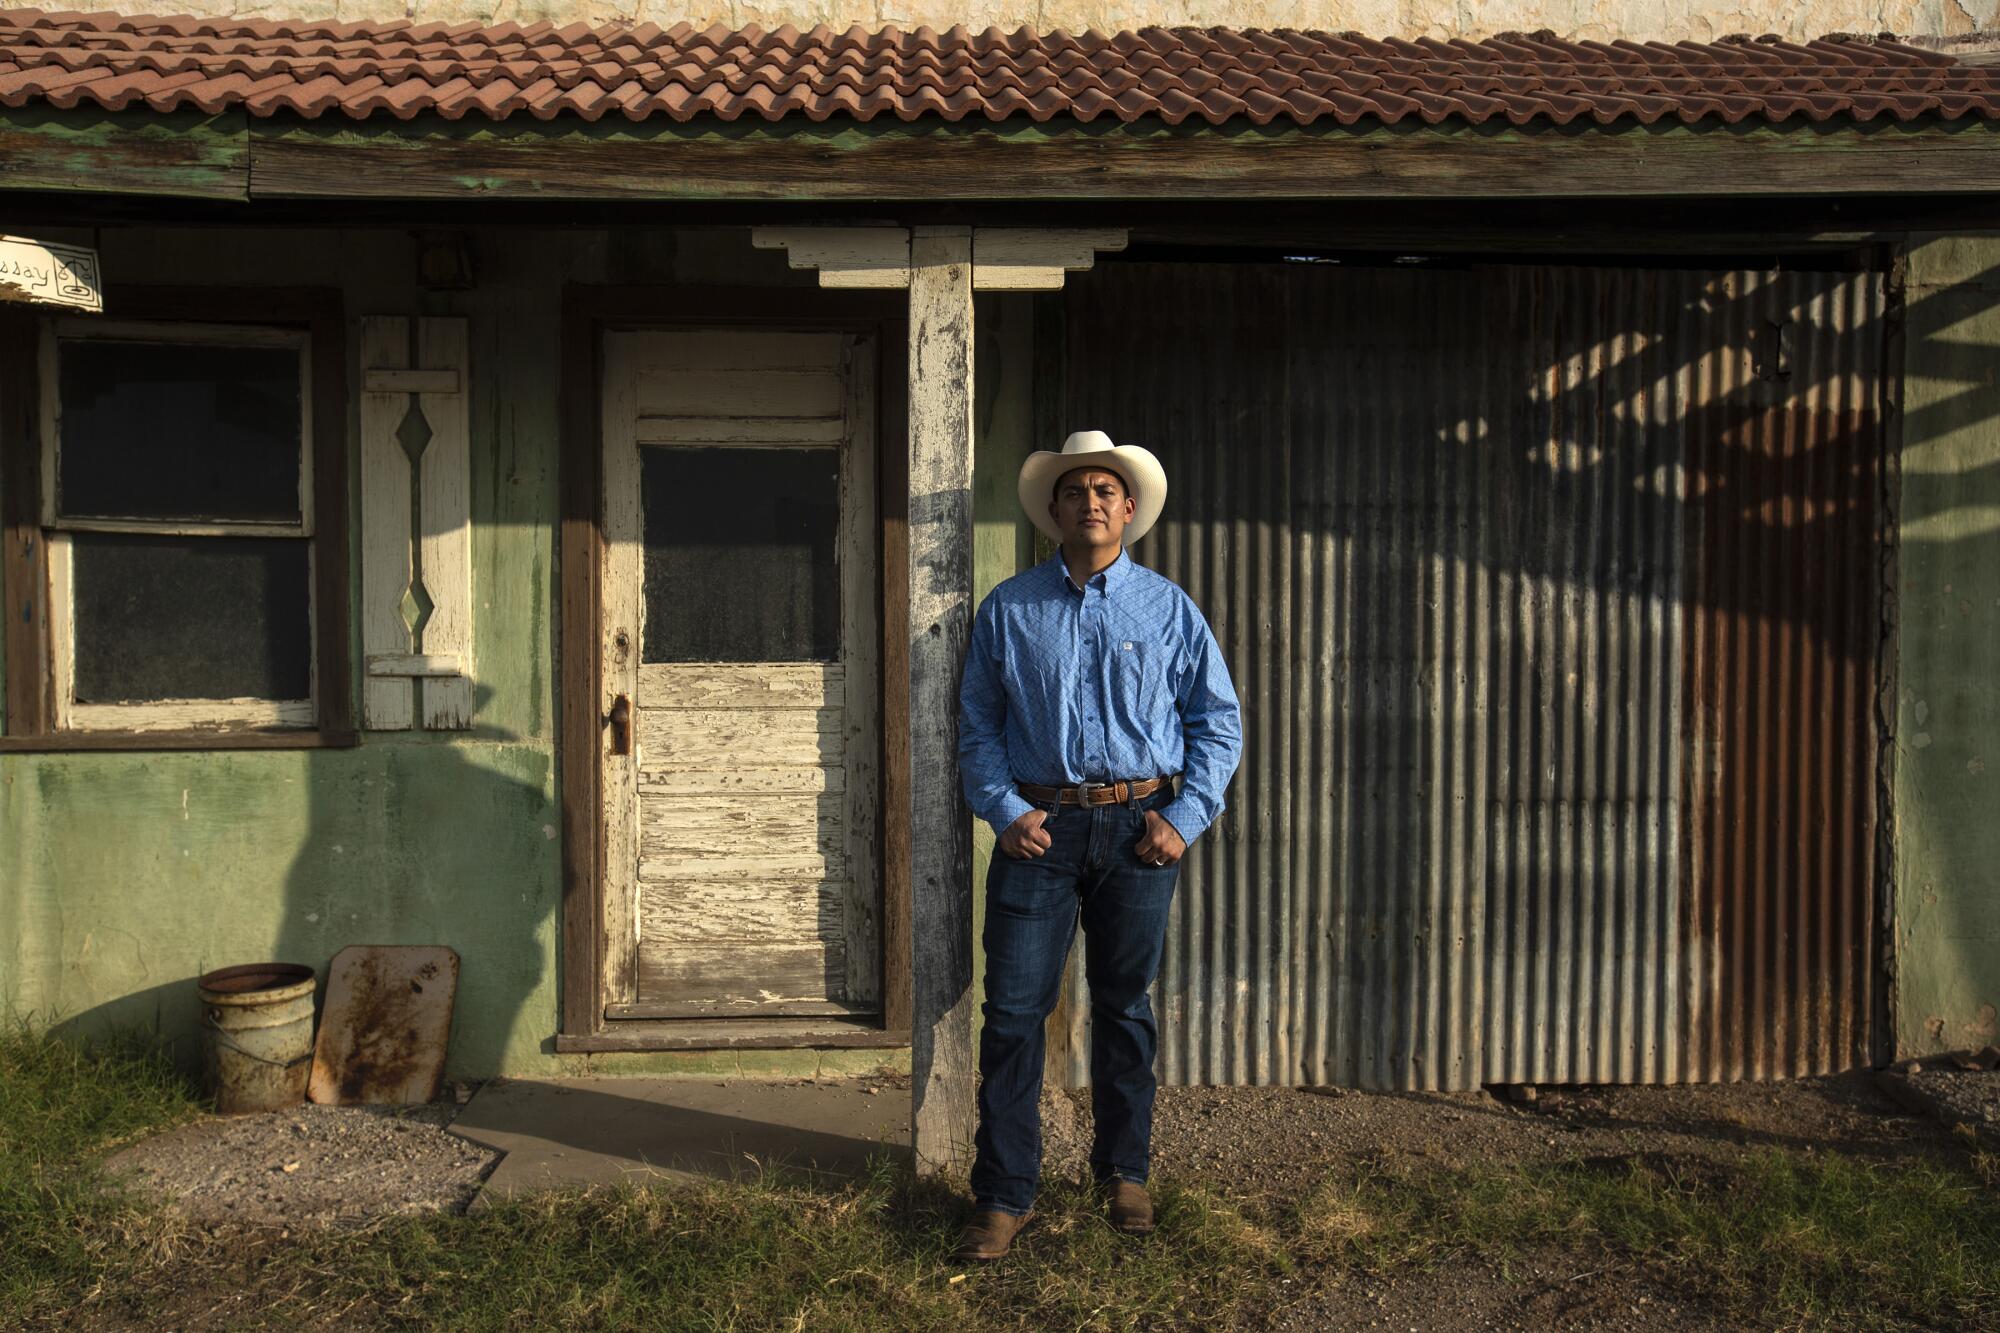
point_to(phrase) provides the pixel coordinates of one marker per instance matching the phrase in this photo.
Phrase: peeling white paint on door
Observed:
(742, 870)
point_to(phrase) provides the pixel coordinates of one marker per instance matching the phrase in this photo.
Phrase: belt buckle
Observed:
(1084, 789)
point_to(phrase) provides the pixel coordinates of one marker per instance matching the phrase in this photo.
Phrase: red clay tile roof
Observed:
(403, 69)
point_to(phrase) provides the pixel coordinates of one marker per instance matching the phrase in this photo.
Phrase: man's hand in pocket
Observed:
(1025, 838)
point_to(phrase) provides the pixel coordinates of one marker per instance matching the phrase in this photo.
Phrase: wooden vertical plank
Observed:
(333, 585)
(59, 588)
(386, 702)
(622, 626)
(48, 414)
(24, 631)
(940, 626)
(579, 739)
(892, 424)
(445, 506)
(860, 650)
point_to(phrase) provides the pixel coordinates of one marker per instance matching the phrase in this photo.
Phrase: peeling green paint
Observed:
(186, 154)
(1947, 759)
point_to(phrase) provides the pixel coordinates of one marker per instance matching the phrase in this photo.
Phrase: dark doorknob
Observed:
(621, 724)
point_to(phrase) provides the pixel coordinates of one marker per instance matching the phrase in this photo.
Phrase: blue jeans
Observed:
(1031, 915)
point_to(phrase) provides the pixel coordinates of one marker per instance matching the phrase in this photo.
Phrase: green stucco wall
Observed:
(1947, 759)
(135, 873)
(125, 876)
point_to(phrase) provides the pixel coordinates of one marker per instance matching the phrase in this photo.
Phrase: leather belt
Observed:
(1092, 793)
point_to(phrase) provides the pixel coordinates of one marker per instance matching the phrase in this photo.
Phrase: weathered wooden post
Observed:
(941, 395)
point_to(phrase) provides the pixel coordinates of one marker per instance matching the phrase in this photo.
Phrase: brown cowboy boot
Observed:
(1131, 1208)
(990, 1235)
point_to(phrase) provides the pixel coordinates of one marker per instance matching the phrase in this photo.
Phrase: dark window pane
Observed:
(740, 555)
(190, 617)
(161, 431)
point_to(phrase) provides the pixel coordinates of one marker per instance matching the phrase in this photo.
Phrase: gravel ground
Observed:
(1273, 1141)
(1957, 1096)
(311, 1166)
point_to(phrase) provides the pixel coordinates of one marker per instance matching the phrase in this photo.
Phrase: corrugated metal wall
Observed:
(1784, 633)
(1439, 521)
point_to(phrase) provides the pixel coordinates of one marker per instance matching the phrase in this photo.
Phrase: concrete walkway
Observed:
(567, 1133)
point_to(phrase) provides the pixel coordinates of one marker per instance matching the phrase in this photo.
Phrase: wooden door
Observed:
(740, 628)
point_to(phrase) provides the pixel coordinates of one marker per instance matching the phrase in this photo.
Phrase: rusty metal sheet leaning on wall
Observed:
(1437, 521)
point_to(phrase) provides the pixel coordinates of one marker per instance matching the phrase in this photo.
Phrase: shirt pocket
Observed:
(1144, 680)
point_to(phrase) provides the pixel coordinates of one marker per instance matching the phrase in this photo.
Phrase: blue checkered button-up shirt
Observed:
(1119, 679)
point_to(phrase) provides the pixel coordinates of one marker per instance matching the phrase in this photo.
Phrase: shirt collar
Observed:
(1113, 574)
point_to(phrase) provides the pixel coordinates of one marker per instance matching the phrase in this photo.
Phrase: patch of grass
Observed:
(774, 1254)
(1783, 1237)
(61, 1106)
(1821, 1239)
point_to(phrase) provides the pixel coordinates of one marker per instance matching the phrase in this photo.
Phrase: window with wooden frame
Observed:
(187, 525)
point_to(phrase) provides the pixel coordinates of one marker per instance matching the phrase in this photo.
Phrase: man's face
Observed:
(1091, 507)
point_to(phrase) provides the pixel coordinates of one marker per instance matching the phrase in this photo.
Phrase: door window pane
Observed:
(190, 617)
(178, 431)
(740, 563)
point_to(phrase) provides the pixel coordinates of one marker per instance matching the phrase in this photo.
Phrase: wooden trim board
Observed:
(741, 1010)
(180, 154)
(24, 569)
(621, 529)
(333, 587)
(734, 1034)
(231, 156)
(162, 741)
(927, 162)
(893, 422)
(577, 673)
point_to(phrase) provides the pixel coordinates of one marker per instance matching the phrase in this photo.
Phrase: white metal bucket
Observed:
(257, 1022)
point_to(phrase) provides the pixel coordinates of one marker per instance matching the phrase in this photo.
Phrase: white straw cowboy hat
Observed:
(1145, 480)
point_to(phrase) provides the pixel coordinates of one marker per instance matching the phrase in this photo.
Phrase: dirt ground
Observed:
(1279, 1139)
(321, 1166)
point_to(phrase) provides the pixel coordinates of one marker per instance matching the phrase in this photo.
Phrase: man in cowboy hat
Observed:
(1091, 684)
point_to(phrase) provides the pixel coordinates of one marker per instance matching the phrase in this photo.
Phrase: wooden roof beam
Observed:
(231, 157)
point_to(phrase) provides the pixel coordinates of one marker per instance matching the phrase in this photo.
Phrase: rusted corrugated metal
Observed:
(1784, 636)
(1437, 521)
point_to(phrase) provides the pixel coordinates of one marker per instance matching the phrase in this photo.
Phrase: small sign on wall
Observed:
(54, 275)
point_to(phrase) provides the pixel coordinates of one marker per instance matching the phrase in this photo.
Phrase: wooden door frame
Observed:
(588, 312)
